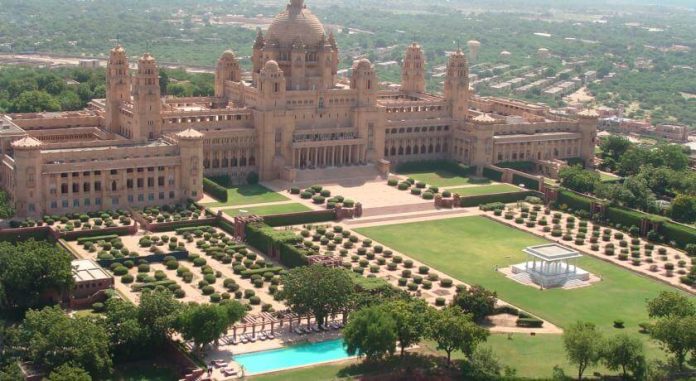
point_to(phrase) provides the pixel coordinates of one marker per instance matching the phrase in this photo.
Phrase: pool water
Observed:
(291, 357)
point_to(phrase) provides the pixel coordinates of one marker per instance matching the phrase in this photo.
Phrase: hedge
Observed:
(524, 166)
(530, 322)
(574, 200)
(499, 197)
(300, 218)
(264, 238)
(274, 270)
(492, 174)
(625, 217)
(435, 165)
(214, 189)
(529, 183)
(682, 235)
(83, 240)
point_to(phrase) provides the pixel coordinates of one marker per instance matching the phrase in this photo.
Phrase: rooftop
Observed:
(552, 252)
(85, 270)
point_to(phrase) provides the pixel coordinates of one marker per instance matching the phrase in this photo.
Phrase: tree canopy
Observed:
(477, 301)
(371, 332)
(583, 343)
(30, 270)
(206, 323)
(452, 330)
(317, 290)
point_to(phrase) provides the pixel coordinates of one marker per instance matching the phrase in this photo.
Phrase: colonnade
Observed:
(329, 156)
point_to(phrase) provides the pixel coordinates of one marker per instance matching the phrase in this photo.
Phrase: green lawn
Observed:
(470, 248)
(315, 373)
(249, 195)
(486, 189)
(439, 178)
(269, 210)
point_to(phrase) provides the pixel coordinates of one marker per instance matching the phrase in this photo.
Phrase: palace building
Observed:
(289, 119)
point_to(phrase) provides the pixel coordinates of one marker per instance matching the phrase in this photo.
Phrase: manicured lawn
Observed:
(249, 195)
(269, 210)
(470, 248)
(605, 176)
(439, 178)
(319, 373)
(486, 189)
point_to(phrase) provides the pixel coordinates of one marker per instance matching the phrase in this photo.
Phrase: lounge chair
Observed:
(221, 364)
(252, 339)
(299, 331)
(245, 340)
(234, 341)
(270, 336)
(229, 372)
(307, 330)
(316, 328)
(262, 336)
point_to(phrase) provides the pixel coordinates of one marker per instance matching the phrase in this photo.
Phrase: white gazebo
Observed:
(552, 265)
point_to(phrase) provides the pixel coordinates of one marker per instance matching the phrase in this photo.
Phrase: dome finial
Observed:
(297, 4)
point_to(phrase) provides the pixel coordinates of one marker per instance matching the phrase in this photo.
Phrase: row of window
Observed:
(415, 150)
(76, 203)
(416, 129)
(130, 184)
(112, 172)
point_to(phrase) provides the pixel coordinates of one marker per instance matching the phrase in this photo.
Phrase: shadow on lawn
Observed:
(413, 366)
(251, 190)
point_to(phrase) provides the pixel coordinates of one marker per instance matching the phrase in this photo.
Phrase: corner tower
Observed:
(227, 69)
(413, 70)
(457, 85)
(147, 102)
(117, 87)
(364, 81)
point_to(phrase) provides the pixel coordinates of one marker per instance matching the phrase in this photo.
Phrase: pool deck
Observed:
(226, 352)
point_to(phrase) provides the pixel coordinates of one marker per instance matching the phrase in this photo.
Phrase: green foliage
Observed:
(300, 218)
(524, 166)
(526, 181)
(318, 290)
(49, 332)
(6, 206)
(434, 165)
(370, 332)
(29, 271)
(67, 372)
(205, 323)
(583, 344)
(214, 189)
(265, 238)
(579, 179)
(680, 234)
(624, 352)
(411, 320)
(683, 208)
(453, 330)
(477, 301)
(671, 304)
(493, 174)
(676, 335)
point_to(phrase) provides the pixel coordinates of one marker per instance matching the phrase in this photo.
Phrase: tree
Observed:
(477, 301)
(157, 312)
(683, 208)
(614, 146)
(35, 101)
(624, 352)
(370, 332)
(317, 290)
(11, 372)
(411, 319)
(632, 160)
(51, 338)
(31, 270)
(670, 304)
(582, 343)
(206, 323)
(578, 179)
(677, 335)
(671, 156)
(483, 366)
(453, 330)
(66, 372)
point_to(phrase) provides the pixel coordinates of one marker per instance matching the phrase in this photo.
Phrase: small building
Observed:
(673, 132)
(552, 265)
(90, 282)
(89, 64)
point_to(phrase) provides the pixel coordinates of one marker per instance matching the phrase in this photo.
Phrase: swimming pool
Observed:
(292, 357)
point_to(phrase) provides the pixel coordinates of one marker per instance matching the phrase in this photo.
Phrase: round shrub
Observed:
(208, 290)
(144, 268)
(127, 279)
(423, 270)
(446, 283)
(440, 301)
(215, 298)
(120, 270)
(402, 282)
(254, 300)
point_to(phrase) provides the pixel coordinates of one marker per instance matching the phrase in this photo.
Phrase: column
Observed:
(326, 152)
(340, 157)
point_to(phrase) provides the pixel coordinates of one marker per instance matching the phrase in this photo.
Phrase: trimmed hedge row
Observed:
(265, 239)
(493, 174)
(300, 218)
(274, 270)
(530, 322)
(214, 189)
(153, 258)
(680, 234)
(499, 197)
(574, 200)
(83, 240)
(624, 217)
(529, 183)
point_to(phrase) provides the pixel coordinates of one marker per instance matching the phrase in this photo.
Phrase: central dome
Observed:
(296, 23)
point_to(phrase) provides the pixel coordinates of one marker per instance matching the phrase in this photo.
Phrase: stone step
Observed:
(333, 174)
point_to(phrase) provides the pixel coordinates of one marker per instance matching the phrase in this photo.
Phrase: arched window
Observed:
(114, 186)
(401, 151)
(252, 161)
(393, 151)
(408, 150)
